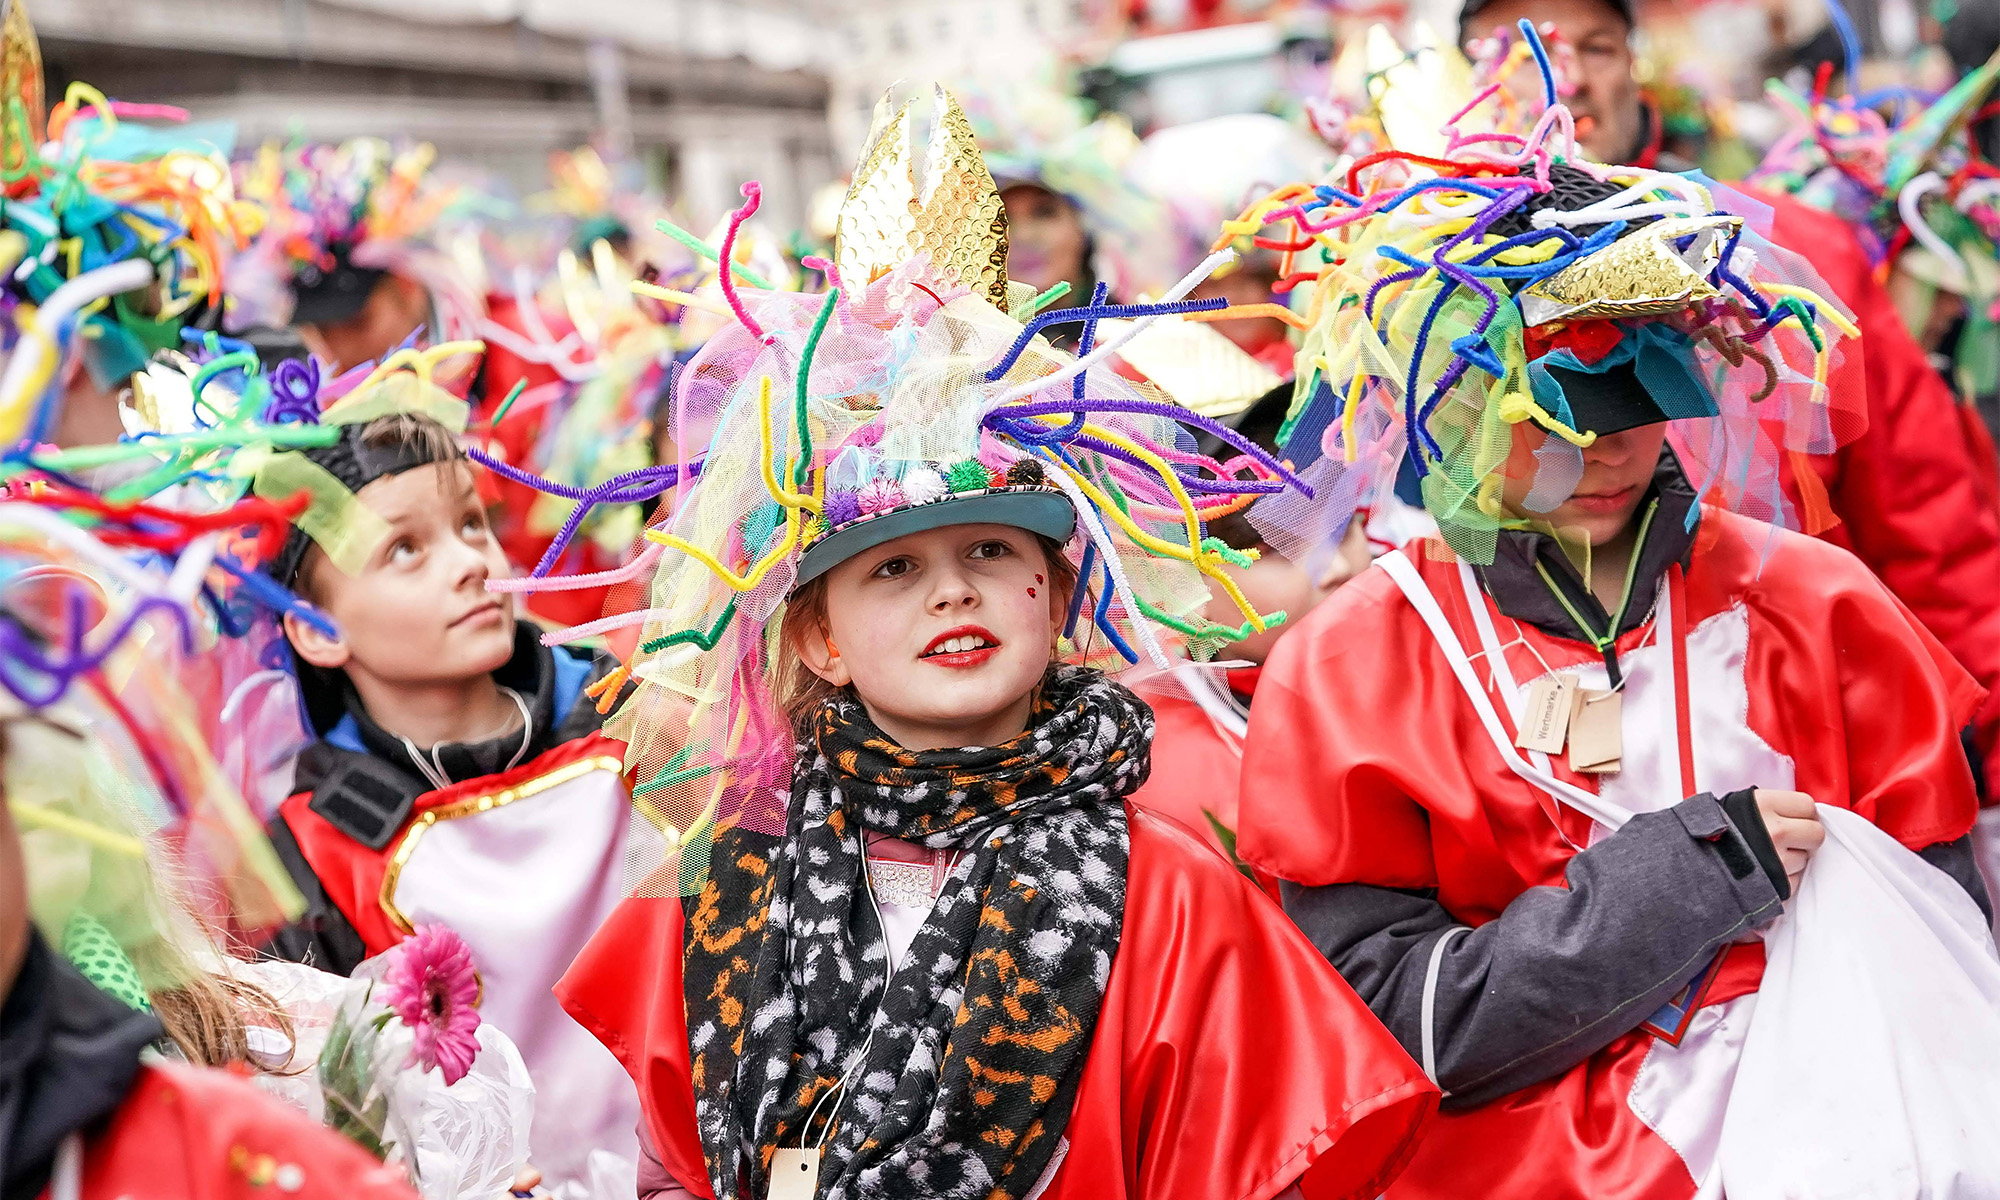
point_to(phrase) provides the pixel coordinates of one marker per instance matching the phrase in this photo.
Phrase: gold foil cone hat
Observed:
(1647, 272)
(957, 221)
(20, 82)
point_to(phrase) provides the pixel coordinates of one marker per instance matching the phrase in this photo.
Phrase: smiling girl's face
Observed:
(943, 634)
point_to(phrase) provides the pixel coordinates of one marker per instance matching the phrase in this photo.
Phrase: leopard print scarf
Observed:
(980, 1038)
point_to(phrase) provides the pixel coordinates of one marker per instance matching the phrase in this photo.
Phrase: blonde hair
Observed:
(210, 1016)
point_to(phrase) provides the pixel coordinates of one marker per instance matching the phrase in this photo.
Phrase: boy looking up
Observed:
(460, 776)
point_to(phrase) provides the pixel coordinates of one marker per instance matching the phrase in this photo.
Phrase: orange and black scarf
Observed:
(979, 1040)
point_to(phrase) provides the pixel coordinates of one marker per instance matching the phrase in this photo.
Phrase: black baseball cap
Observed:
(1467, 30)
(1607, 402)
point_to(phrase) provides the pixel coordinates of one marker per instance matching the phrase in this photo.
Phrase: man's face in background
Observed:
(1606, 101)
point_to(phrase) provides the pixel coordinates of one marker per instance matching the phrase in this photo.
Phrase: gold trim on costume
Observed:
(471, 806)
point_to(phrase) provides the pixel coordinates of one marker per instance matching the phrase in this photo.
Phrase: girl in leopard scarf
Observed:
(938, 953)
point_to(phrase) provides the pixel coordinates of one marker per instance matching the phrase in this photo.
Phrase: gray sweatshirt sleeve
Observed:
(1563, 971)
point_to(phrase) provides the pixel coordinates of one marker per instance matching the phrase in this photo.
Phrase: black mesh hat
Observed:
(1570, 188)
(335, 294)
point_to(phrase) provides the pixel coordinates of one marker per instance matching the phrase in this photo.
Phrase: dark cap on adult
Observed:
(1468, 15)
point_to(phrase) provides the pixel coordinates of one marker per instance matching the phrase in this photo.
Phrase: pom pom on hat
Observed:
(883, 495)
(968, 476)
(1026, 472)
(923, 485)
(841, 508)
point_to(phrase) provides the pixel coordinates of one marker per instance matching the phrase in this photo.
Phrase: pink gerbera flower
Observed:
(431, 985)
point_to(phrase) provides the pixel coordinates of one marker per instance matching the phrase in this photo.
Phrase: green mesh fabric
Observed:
(98, 957)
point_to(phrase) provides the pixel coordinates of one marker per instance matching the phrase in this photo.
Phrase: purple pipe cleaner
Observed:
(61, 670)
(1092, 313)
(1172, 412)
(294, 393)
(629, 488)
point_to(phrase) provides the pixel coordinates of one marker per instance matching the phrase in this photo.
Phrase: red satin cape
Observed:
(1365, 764)
(188, 1133)
(1229, 1060)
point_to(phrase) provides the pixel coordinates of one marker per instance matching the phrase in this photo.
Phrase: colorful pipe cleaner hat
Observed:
(341, 217)
(113, 234)
(138, 845)
(599, 425)
(1503, 278)
(916, 393)
(1910, 180)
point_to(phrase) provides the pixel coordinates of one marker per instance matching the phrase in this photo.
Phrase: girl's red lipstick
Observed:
(962, 648)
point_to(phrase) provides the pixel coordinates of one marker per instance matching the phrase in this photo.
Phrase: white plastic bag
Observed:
(471, 1137)
(1872, 1064)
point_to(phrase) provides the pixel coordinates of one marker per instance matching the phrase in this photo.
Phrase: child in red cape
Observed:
(1581, 993)
(955, 960)
(81, 1115)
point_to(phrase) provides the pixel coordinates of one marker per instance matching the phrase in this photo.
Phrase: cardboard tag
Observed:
(794, 1175)
(1596, 736)
(1545, 721)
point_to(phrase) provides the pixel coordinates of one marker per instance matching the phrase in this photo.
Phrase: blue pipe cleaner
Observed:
(269, 593)
(1093, 312)
(1097, 295)
(1541, 61)
(1076, 597)
(1102, 620)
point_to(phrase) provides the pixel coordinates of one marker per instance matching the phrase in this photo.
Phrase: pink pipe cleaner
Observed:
(557, 637)
(753, 196)
(647, 560)
(138, 112)
(831, 270)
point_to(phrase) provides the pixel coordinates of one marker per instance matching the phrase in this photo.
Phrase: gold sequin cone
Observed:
(958, 221)
(1644, 273)
(20, 80)
(877, 225)
(962, 224)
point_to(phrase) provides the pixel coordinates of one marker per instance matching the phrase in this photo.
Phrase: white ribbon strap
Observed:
(1400, 569)
(1429, 1016)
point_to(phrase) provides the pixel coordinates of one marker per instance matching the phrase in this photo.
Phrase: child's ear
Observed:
(816, 649)
(314, 647)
